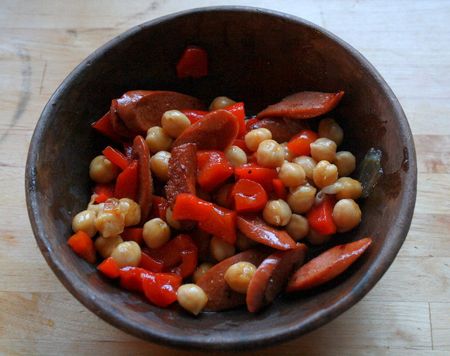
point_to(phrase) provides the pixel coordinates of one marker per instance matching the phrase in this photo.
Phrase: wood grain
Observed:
(406, 313)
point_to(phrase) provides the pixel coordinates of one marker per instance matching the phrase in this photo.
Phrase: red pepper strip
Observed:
(249, 196)
(261, 175)
(161, 288)
(109, 268)
(116, 157)
(193, 63)
(130, 278)
(256, 229)
(133, 234)
(104, 126)
(83, 246)
(104, 192)
(238, 110)
(320, 217)
(212, 169)
(249, 123)
(279, 189)
(327, 265)
(150, 264)
(300, 143)
(194, 115)
(213, 219)
(240, 142)
(127, 182)
(179, 255)
(159, 207)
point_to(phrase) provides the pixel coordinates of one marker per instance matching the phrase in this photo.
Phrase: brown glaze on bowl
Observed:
(258, 56)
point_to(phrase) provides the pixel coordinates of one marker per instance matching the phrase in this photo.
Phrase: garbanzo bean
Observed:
(346, 215)
(345, 162)
(156, 233)
(220, 102)
(288, 155)
(102, 170)
(236, 156)
(270, 154)
(349, 188)
(220, 249)
(192, 298)
(105, 246)
(110, 223)
(85, 221)
(301, 199)
(324, 173)
(201, 270)
(131, 210)
(159, 164)
(307, 163)
(291, 174)
(238, 276)
(158, 140)
(174, 122)
(323, 149)
(127, 253)
(330, 129)
(254, 137)
(277, 212)
(298, 227)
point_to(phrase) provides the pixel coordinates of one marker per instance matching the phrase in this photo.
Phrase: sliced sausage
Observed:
(272, 275)
(145, 189)
(220, 295)
(282, 130)
(117, 123)
(327, 265)
(182, 172)
(216, 131)
(142, 109)
(303, 105)
(256, 229)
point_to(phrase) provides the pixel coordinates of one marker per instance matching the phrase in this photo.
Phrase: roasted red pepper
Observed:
(109, 268)
(238, 110)
(150, 264)
(194, 115)
(160, 288)
(83, 246)
(212, 169)
(133, 234)
(261, 175)
(159, 207)
(320, 217)
(279, 189)
(249, 196)
(131, 279)
(299, 144)
(104, 126)
(193, 63)
(116, 157)
(103, 192)
(127, 182)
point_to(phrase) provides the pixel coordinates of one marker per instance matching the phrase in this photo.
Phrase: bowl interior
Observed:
(255, 56)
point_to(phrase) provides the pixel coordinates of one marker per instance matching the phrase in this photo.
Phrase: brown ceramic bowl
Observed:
(258, 56)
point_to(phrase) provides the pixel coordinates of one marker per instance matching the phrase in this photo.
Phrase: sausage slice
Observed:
(282, 130)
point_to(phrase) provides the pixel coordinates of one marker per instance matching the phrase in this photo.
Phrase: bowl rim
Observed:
(362, 287)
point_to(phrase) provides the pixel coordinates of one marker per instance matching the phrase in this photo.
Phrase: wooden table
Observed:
(408, 312)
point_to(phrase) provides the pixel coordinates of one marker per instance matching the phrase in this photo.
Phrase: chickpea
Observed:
(220, 249)
(220, 102)
(238, 276)
(159, 164)
(174, 122)
(277, 212)
(85, 221)
(330, 129)
(315, 238)
(105, 246)
(270, 154)
(254, 137)
(192, 298)
(349, 188)
(301, 199)
(201, 270)
(110, 223)
(95, 208)
(307, 163)
(324, 174)
(298, 227)
(243, 242)
(288, 155)
(156, 233)
(157, 139)
(345, 162)
(171, 221)
(292, 174)
(102, 170)
(236, 156)
(131, 211)
(127, 253)
(323, 149)
(346, 215)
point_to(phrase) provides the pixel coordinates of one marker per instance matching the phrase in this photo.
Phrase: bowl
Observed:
(258, 56)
